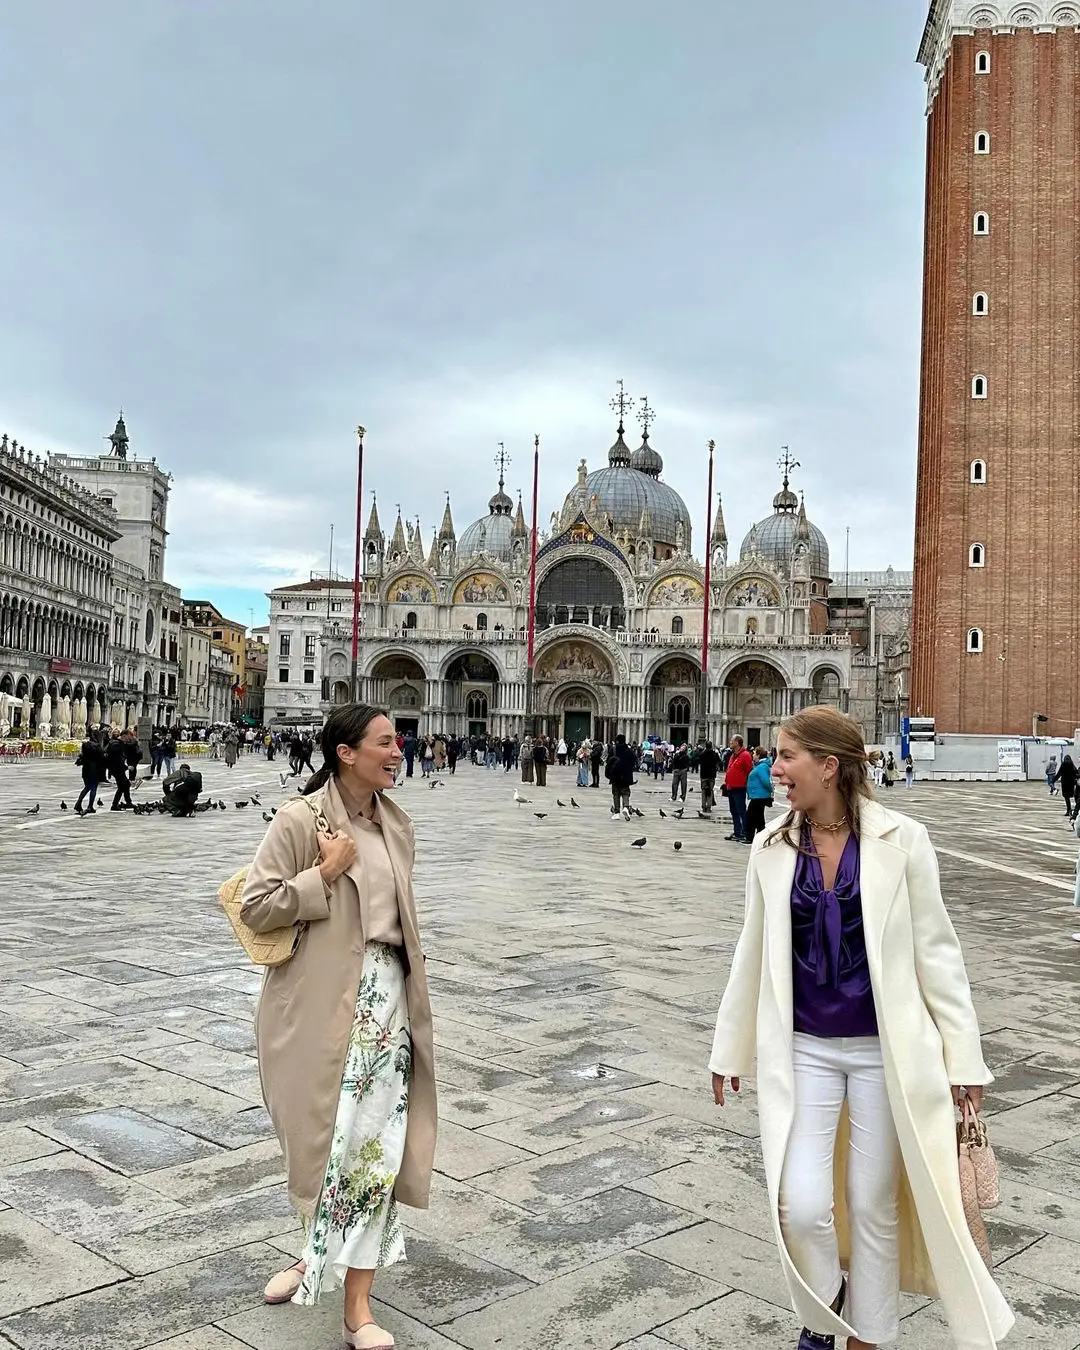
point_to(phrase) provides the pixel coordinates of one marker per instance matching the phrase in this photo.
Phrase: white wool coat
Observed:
(929, 1039)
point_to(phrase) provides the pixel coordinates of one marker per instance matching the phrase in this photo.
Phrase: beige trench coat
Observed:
(929, 1040)
(306, 1007)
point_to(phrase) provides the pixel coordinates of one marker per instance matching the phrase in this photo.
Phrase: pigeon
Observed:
(575, 805)
(273, 810)
(519, 799)
(639, 843)
(221, 806)
(240, 804)
(559, 803)
(540, 815)
(640, 814)
(663, 814)
(679, 813)
(283, 778)
(255, 801)
(34, 809)
(63, 806)
(677, 846)
(267, 818)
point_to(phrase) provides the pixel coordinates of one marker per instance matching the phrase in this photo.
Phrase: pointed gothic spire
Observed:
(802, 525)
(416, 546)
(433, 551)
(520, 530)
(719, 530)
(446, 529)
(397, 543)
(645, 524)
(374, 529)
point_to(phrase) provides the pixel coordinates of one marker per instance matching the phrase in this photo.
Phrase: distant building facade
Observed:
(145, 663)
(996, 623)
(56, 581)
(620, 614)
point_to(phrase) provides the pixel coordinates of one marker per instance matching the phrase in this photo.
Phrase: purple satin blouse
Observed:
(833, 996)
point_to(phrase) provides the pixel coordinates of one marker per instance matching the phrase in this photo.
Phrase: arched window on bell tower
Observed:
(980, 303)
(982, 63)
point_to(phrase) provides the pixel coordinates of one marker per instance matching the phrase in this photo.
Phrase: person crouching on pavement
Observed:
(182, 790)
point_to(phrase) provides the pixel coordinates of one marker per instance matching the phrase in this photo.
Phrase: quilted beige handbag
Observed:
(277, 946)
(978, 1174)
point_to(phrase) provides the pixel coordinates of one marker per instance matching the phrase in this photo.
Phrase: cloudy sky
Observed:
(256, 223)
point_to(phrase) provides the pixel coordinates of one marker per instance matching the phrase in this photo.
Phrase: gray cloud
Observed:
(256, 223)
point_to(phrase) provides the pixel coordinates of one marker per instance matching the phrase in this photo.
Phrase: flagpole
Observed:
(354, 685)
(529, 710)
(330, 572)
(704, 698)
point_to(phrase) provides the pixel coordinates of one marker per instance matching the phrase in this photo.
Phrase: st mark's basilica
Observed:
(619, 613)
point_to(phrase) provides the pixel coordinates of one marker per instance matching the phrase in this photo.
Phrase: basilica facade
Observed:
(620, 614)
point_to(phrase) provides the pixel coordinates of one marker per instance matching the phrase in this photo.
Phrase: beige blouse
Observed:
(379, 907)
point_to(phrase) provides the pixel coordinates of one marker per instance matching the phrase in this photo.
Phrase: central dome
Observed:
(629, 486)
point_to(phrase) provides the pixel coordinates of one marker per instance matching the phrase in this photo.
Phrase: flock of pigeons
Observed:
(161, 807)
(628, 813)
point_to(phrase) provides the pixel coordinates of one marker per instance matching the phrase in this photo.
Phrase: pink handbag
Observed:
(979, 1186)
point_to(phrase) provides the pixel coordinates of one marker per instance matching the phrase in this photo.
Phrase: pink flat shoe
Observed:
(283, 1286)
(367, 1337)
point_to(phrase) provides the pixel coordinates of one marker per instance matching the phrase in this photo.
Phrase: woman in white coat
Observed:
(848, 984)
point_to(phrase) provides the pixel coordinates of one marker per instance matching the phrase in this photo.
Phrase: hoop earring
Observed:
(826, 782)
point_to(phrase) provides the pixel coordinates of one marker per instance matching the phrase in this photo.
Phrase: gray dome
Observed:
(774, 537)
(492, 534)
(623, 493)
(647, 460)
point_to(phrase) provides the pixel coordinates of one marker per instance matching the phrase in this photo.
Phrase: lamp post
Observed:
(354, 677)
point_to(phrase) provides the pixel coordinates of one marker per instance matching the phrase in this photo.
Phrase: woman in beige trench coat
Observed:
(850, 1207)
(343, 1028)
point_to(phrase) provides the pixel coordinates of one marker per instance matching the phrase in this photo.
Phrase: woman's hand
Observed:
(975, 1093)
(718, 1087)
(337, 853)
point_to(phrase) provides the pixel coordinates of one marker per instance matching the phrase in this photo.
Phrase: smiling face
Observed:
(801, 774)
(372, 764)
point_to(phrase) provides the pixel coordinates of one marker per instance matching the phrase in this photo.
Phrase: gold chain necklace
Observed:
(834, 828)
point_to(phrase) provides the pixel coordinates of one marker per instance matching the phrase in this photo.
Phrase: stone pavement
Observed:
(588, 1193)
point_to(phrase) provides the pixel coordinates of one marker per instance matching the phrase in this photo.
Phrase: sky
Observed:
(255, 224)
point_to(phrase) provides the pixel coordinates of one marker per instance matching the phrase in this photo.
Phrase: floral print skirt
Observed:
(356, 1224)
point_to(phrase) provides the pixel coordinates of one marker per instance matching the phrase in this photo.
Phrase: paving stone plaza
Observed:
(588, 1195)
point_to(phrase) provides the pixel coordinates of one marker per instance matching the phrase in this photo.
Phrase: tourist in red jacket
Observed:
(738, 771)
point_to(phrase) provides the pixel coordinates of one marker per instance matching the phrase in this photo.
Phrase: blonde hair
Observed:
(823, 732)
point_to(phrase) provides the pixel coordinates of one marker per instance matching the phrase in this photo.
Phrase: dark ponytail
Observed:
(346, 725)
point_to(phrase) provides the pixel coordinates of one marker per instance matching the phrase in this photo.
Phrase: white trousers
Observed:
(826, 1073)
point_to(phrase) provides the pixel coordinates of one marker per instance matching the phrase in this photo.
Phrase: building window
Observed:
(309, 676)
(982, 142)
(410, 619)
(285, 644)
(982, 222)
(283, 675)
(284, 605)
(976, 556)
(978, 471)
(309, 646)
(481, 623)
(979, 387)
(335, 606)
(476, 706)
(311, 606)
(982, 63)
(975, 641)
(981, 303)
(677, 626)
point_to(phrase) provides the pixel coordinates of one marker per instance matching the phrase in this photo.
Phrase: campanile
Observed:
(996, 623)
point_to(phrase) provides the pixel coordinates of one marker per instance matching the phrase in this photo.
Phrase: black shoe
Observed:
(734, 838)
(816, 1340)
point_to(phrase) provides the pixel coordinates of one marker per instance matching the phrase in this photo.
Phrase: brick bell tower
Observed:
(996, 624)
